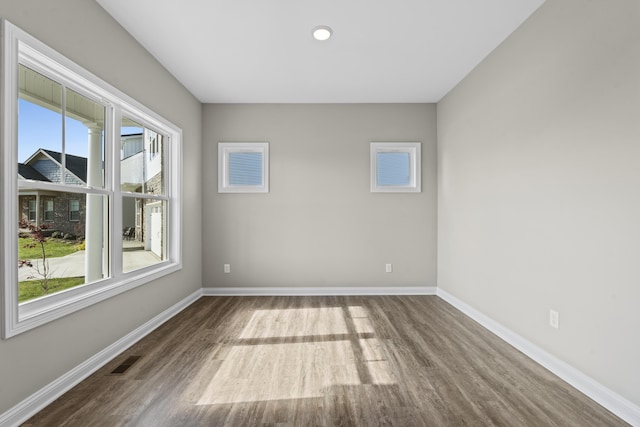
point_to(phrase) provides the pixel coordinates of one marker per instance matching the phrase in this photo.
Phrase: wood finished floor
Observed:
(323, 361)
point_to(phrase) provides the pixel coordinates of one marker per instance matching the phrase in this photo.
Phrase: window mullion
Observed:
(62, 188)
(114, 182)
(63, 117)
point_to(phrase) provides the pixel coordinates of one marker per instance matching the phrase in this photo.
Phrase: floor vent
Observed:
(122, 368)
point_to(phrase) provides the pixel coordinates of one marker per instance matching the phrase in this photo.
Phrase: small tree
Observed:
(37, 238)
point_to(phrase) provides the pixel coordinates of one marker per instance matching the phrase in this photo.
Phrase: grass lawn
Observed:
(54, 248)
(32, 289)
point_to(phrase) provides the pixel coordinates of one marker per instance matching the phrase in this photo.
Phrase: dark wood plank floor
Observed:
(323, 361)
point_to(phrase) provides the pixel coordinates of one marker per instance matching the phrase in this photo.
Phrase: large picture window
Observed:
(90, 181)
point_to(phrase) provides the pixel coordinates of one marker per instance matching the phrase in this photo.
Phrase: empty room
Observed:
(409, 213)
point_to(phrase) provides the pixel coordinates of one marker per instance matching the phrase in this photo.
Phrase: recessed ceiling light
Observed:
(321, 32)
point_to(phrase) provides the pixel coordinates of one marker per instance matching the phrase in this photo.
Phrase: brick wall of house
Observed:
(61, 220)
(154, 185)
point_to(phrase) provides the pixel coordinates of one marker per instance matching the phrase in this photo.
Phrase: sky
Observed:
(39, 127)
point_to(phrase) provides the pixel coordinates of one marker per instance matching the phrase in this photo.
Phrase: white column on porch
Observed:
(94, 215)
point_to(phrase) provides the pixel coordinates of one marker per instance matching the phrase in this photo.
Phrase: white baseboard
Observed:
(319, 291)
(607, 398)
(34, 403)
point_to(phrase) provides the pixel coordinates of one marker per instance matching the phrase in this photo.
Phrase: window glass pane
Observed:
(144, 232)
(393, 169)
(32, 210)
(54, 252)
(245, 168)
(49, 214)
(142, 159)
(84, 140)
(154, 165)
(41, 151)
(39, 126)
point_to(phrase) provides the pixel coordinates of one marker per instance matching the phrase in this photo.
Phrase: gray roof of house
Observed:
(76, 164)
(28, 172)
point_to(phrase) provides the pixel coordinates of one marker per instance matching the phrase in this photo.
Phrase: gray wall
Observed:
(82, 31)
(319, 225)
(539, 186)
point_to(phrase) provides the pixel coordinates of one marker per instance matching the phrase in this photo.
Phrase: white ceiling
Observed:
(259, 51)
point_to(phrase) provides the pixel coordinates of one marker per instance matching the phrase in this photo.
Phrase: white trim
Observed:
(44, 310)
(607, 398)
(43, 397)
(318, 290)
(9, 157)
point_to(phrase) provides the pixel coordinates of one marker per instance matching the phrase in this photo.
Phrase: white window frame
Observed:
(226, 148)
(415, 159)
(20, 47)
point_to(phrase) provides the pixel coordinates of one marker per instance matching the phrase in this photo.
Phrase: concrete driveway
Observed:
(72, 265)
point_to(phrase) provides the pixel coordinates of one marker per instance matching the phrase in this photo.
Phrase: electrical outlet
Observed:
(227, 268)
(553, 319)
(388, 268)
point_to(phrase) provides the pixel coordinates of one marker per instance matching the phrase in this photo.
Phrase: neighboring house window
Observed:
(243, 167)
(32, 210)
(395, 167)
(74, 210)
(48, 210)
(155, 145)
(80, 165)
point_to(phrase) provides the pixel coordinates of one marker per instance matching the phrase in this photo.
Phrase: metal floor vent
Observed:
(122, 368)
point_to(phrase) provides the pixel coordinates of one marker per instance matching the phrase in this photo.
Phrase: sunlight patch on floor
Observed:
(256, 369)
(376, 362)
(295, 322)
(281, 371)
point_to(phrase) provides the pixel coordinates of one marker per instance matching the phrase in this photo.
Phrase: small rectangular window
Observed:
(48, 210)
(243, 167)
(32, 210)
(395, 167)
(155, 144)
(74, 210)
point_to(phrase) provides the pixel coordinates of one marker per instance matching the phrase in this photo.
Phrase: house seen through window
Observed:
(61, 141)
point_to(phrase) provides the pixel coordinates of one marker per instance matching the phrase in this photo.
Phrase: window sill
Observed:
(32, 314)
